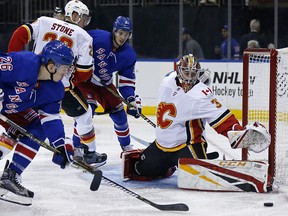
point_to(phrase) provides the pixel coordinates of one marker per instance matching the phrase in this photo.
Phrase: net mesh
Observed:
(258, 106)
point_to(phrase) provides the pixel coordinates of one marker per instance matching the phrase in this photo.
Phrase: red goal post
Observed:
(265, 99)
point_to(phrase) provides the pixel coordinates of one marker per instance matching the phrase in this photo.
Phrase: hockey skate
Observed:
(95, 159)
(11, 189)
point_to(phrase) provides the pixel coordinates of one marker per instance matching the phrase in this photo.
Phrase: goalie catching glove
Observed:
(65, 155)
(255, 137)
(136, 108)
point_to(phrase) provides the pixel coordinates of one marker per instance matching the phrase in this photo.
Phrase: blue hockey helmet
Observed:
(58, 52)
(123, 23)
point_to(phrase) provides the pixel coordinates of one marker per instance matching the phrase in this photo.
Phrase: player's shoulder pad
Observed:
(129, 53)
(53, 90)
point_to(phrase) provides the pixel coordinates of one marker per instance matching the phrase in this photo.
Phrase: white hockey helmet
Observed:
(78, 7)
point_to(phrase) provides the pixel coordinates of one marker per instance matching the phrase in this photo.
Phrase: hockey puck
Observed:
(268, 204)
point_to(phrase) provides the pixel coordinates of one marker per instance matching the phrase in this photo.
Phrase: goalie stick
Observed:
(97, 173)
(210, 155)
(163, 207)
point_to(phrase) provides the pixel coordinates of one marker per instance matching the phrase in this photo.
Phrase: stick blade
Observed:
(172, 207)
(96, 180)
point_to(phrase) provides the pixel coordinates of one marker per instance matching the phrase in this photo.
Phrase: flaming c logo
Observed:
(163, 109)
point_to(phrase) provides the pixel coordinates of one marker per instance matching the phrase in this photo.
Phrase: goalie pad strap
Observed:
(222, 175)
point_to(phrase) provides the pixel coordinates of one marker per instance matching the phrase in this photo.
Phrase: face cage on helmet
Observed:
(185, 74)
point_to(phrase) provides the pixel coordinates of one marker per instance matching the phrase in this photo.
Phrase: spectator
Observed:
(253, 44)
(253, 35)
(190, 45)
(222, 51)
(271, 46)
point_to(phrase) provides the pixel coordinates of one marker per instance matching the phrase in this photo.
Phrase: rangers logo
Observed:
(22, 84)
(100, 51)
(102, 64)
(15, 98)
(101, 57)
(19, 90)
(11, 106)
(103, 70)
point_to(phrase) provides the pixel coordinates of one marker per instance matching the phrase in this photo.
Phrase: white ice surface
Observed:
(66, 192)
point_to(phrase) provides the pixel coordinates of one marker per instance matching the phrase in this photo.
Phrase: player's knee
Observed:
(84, 122)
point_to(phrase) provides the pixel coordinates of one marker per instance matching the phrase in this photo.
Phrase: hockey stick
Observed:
(210, 155)
(97, 173)
(163, 207)
(122, 99)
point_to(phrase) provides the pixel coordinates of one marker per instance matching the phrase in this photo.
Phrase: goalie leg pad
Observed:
(6, 145)
(129, 172)
(129, 158)
(222, 175)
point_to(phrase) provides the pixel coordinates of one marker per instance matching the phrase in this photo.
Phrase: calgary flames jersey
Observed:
(46, 29)
(181, 117)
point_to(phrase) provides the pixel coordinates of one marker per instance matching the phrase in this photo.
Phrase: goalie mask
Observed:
(187, 71)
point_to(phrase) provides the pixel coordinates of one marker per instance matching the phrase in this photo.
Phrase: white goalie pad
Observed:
(255, 138)
(222, 175)
(6, 145)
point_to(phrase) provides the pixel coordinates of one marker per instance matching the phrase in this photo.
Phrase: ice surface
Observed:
(66, 192)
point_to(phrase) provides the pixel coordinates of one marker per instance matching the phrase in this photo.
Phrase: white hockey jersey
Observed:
(46, 29)
(181, 116)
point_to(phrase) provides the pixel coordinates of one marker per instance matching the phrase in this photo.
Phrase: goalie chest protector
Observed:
(222, 175)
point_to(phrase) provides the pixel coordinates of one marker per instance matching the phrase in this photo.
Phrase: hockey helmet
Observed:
(78, 7)
(58, 52)
(188, 69)
(123, 23)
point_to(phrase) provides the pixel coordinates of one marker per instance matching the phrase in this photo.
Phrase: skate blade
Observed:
(8, 196)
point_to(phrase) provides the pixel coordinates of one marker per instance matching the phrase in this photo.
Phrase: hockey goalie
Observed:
(216, 175)
(186, 104)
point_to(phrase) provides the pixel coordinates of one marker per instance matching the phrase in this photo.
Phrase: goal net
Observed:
(265, 99)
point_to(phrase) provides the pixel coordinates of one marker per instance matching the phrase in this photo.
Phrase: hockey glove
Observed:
(1, 98)
(255, 137)
(65, 155)
(136, 110)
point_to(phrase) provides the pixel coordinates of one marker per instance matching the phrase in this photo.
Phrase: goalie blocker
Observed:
(223, 175)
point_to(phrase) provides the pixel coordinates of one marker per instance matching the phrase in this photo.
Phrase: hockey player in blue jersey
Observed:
(28, 80)
(113, 54)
